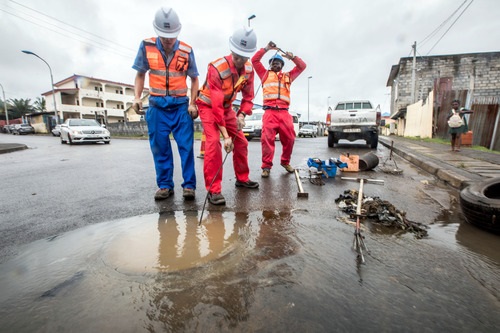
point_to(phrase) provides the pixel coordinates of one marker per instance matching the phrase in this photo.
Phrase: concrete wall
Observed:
(136, 128)
(478, 72)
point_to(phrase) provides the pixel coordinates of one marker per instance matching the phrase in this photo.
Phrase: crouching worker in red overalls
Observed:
(276, 92)
(225, 78)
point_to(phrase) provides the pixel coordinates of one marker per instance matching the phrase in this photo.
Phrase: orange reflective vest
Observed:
(229, 88)
(171, 81)
(275, 88)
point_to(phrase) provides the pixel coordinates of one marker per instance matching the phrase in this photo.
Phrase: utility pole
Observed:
(308, 79)
(5, 106)
(51, 82)
(413, 72)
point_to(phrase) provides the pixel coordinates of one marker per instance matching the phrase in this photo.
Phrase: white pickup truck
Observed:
(353, 120)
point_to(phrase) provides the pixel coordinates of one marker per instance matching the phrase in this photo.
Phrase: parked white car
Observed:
(308, 130)
(83, 130)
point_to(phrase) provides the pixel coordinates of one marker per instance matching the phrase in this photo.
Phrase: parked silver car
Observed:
(83, 130)
(308, 130)
(56, 131)
(22, 129)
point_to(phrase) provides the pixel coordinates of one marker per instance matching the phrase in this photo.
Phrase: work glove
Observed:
(228, 145)
(137, 106)
(288, 55)
(193, 111)
(241, 122)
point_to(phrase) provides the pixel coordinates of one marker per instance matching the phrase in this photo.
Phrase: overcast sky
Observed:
(349, 46)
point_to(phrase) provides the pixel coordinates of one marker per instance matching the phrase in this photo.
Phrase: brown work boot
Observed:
(288, 168)
(188, 194)
(216, 199)
(265, 173)
(163, 193)
(247, 184)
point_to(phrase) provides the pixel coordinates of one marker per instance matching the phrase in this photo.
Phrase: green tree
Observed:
(40, 105)
(20, 107)
(2, 109)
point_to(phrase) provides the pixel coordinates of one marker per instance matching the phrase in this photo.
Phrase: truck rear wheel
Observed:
(374, 141)
(331, 139)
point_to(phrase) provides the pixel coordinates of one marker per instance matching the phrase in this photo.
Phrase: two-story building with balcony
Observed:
(81, 96)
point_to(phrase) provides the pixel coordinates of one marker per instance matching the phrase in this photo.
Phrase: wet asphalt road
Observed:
(52, 188)
(268, 261)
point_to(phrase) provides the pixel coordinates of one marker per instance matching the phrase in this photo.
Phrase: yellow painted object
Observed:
(352, 162)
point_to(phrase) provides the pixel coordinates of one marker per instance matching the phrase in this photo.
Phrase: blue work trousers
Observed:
(165, 116)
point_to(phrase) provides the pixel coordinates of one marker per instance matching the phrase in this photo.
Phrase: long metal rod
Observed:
(210, 187)
(357, 233)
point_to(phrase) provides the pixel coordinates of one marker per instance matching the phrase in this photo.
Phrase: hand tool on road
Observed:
(358, 243)
(210, 187)
(396, 170)
(301, 193)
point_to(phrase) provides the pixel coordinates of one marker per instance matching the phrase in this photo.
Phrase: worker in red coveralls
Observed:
(226, 77)
(276, 93)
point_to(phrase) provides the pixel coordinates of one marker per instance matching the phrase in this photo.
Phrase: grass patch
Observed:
(447, 142)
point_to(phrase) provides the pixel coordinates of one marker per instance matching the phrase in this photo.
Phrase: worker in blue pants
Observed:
(170, 115)
(169, 62)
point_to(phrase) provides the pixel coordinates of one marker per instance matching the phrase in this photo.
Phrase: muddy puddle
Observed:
(270, 271)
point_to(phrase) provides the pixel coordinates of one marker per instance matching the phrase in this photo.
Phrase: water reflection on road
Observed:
(274, 270)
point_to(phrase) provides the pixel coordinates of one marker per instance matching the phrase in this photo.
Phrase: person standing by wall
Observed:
(277, 119)
(169, 63)
(457, 123)
(226, 77)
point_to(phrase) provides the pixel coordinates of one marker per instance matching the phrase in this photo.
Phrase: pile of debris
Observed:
(379, 211)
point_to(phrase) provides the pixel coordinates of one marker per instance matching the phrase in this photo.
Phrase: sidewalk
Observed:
(457, 169)
(11, 147)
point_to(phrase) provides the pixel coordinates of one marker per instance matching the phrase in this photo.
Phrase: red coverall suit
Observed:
(215, 107)
(276, 117)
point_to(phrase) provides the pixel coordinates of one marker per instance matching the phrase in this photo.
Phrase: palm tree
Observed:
(40, 105)
(20, 107)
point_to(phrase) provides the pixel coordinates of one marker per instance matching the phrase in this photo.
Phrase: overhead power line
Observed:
(104, 44)
(74, 27)
(432, 34)
(452, 24)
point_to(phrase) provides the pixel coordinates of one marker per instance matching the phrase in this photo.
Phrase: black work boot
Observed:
(247, 184)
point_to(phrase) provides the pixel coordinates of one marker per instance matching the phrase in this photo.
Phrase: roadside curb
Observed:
(11, 147)
(443, 171)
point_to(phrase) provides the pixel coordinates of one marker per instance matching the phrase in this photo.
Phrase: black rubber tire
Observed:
(374, 141)
(480, 203)
(70, 142)
(331, 139)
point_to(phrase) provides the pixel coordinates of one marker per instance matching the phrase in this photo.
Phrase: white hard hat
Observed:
(243, 42)
(167, 23)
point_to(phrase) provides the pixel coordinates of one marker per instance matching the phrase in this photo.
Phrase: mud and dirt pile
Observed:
(379, 211)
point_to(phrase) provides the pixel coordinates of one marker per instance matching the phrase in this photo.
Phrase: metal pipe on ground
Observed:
(368, 161)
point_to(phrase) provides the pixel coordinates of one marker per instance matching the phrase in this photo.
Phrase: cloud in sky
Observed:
(349, 46)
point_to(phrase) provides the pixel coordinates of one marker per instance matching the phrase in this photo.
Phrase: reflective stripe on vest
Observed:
(171, 82)
(228, 85)
(274, 88)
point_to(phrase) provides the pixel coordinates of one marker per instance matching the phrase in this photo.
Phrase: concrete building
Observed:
(81, 96)
(427, 85)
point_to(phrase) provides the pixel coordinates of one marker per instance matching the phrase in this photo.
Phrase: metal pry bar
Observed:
(301, 193)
